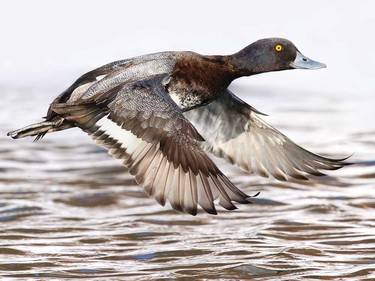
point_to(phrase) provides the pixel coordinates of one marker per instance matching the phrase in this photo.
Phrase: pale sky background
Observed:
(46, 45)
(50, 43)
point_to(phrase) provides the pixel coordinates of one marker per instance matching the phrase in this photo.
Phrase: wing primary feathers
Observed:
(267, 151)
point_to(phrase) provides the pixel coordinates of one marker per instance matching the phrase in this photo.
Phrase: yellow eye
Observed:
(278, 48)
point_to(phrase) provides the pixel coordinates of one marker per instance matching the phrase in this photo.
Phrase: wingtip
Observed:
(338, 160)
(253, 196)
(256, 194)
(250, 199)
(346, 158)
(341, 162)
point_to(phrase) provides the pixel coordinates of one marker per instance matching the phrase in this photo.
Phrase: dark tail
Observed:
(40, 129)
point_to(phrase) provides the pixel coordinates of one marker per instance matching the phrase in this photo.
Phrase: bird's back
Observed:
(111, 75)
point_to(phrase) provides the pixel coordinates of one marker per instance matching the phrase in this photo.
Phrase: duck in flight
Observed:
(161, 114)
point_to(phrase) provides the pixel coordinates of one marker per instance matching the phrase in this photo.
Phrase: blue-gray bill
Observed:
(303, 62)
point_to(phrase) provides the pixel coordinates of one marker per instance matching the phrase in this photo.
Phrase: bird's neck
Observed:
(246, 63)
(212, 73)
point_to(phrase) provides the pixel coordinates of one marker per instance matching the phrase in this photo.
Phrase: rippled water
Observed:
(68, 210)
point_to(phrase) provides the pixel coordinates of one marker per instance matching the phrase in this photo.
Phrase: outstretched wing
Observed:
(234, 132)
(141, 125)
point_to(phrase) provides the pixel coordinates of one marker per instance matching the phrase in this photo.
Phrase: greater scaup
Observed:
(161, 113)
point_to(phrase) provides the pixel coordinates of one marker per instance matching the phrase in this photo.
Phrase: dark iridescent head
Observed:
(272, 54)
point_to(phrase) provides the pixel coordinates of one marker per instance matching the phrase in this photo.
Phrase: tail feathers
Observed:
(84, 116)
(41, 128)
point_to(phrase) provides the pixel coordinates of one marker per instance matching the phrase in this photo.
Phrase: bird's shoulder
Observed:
(118, 72)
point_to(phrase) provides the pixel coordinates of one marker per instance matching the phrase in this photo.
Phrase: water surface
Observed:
(67, 210)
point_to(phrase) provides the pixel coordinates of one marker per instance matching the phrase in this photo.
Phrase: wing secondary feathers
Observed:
(140, 125)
